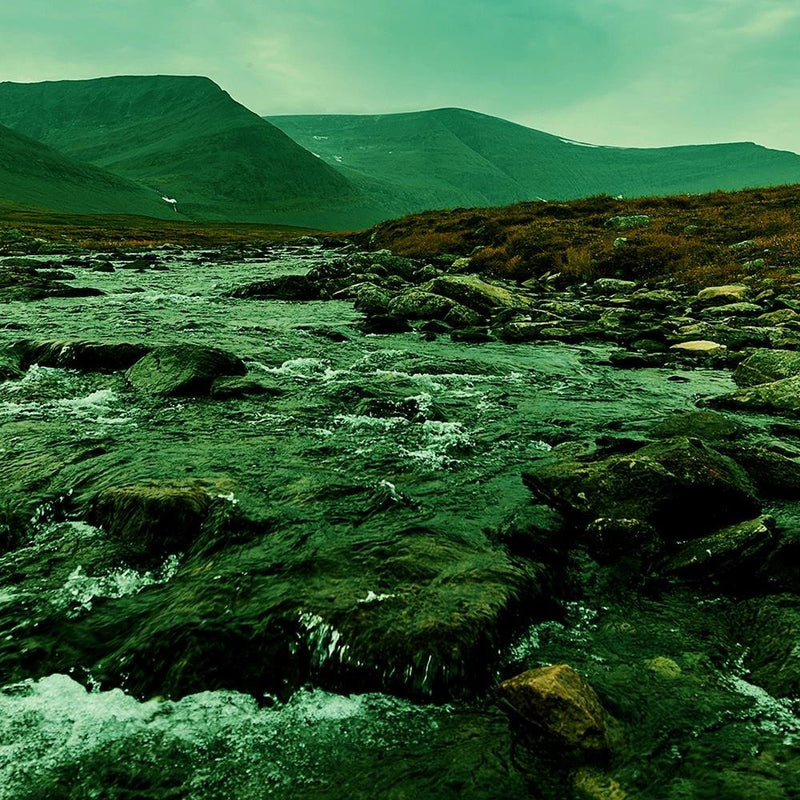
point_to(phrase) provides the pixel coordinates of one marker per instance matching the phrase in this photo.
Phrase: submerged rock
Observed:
(25, 284)
(82, 355)
(680, 486)
(283, 287)
(183, 369)
(152, 519)
(561, 704)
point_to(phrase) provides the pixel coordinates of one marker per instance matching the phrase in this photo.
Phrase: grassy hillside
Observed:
(186, 138)
(699, 239)
(452, 157)
(36, 175)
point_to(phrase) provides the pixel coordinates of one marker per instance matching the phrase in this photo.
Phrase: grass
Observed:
(694, 239)
(33, 230)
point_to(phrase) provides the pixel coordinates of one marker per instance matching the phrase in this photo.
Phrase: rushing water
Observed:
(367, 440)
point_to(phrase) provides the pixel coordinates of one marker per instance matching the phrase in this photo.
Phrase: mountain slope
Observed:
(36, 175)
(452, 157)
(184, 137)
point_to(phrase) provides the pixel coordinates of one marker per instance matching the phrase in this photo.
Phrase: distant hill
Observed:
(451, 157)
(186, 138)
(35, 175)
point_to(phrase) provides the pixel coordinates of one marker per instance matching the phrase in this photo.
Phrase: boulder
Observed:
(369, 298)
(152, 519)
(700, 347)
(182, 369)
(476, 294)
(721, 295)
(766, 366)
(702, 424)
(237, 386)
(628, 222)
(740, 309)
(778, 397)
(679, 486)
(731, 556)
(774, 474)
(417, 304)
(282, 287)
(560, 704)
(81, 355)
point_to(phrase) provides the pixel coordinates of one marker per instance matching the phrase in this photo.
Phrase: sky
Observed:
(638, 73)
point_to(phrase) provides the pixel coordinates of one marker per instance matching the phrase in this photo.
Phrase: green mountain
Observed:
(451, 157)
(187, 139)
(36, 175)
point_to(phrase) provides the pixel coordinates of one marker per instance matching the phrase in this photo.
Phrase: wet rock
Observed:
(721, 295)
(680, 486)
(182, 369)
(766, 366)
(775, 475)
(282, 287)
(655, 299)
(385, 324)
(778, 397)
(614, 540)
(103, 266)
(476, 294)
(416, 304)
(702, 424)
(23, 284)
(152, 519)
(730, 557)
(700, 348)
(370, 299)
(227, 388)
(560, 704)
(86, 356)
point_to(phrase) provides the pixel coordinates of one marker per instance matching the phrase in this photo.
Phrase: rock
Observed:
(417, 304)
(385, 324)
(476, 294)
(732, 310)
(780, 317)
(721, 295)
(282, 287)
(778, 397)
(614, 286)
(103, 266)
(560, 704)
(152, 519)
(700, 347)
(370, 299)
(655, 299)
(767, 366)
(610, 540)
(628, 222)
(86, 356)
(773, 474)
(24, 284)
(702, 424)
(731, 556)
(679, 486)
(182, 369)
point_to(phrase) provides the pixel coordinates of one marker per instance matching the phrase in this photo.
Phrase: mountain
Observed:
(36, 175)
(452, 157)
(186, 138)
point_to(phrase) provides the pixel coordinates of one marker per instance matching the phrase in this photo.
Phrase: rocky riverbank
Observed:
(270, 473)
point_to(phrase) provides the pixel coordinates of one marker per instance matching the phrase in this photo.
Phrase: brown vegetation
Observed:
(696, 239)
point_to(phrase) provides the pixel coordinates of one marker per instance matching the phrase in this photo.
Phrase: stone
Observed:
(628, 222)
(739, 309)
(182, 369)
(701, 424)
(25, 284)
(780, 317)
(476, 294)
(700, 347)
(614, 286)
(370, 298)
(560, 704)
(679, 486)
(227, 388)
(282, 287)
(777, 397)
(152, 519)
(731, 556)
(767, 366)
(655, 299)
(81, 355)
(721, 295)
(774, 475)
(417, 304)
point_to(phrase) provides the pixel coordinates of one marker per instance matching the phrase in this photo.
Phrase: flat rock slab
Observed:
(183, 369)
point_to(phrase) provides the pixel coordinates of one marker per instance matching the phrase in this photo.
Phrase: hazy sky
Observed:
(624, 72)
